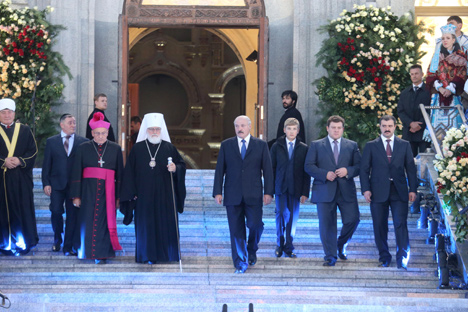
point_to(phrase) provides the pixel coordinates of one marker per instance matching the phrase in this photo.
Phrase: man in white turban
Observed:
(18, 150)
(153, 190)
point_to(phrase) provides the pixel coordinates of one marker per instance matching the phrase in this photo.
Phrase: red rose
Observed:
(21, 52)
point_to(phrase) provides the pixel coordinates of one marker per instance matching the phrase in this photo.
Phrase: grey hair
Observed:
(243, 116)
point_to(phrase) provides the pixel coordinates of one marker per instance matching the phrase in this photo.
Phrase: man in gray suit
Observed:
(333, 162)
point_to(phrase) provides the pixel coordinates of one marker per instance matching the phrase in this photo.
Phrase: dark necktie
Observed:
(335, 151)
(416, 89)
(65, 144)
(389, 151)
(243, 149)
(291, 149)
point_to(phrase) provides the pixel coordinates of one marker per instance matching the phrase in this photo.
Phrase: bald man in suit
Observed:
(242, 161)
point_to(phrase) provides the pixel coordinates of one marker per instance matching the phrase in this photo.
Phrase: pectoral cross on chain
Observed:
(101, 162)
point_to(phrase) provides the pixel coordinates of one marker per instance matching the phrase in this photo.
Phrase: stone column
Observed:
(76, 44)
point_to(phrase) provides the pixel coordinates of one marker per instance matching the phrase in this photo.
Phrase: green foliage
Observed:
(367, 56)
(28, 63)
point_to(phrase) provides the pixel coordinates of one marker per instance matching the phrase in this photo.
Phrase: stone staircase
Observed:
(48, 281)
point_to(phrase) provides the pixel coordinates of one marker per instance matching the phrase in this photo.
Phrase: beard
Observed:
(154, 139)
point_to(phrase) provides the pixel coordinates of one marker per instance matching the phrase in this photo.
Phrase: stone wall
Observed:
(90, 49)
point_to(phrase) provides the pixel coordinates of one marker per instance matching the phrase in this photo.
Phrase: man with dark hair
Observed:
(333, 162)
(410, 113)
(100, 105)
(135, 124)
(58, 161)
(289, 99)
(461, 37)
(387, 168)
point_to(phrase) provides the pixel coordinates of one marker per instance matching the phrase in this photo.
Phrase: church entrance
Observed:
(200, 65)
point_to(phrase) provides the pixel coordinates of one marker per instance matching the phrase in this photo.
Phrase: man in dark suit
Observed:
(241, 162)
(292, 185)
(333, 162)
(387, 168)
(409, 112)
(289, 99)
(58, 160)
(100, 105)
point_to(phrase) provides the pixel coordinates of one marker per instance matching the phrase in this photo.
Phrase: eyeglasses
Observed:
(153, 129)
(100, 133)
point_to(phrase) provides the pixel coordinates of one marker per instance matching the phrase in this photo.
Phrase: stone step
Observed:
(49, 281)
(210, 299)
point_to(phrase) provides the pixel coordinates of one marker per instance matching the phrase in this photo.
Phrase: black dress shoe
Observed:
(290, 254)
(100, 261)
(342, 253)
(56, 247)
(150, 262)
(252, 259)
(329, 263)
(384, 264)
(70, 253)
(402, 266)
(278, 251)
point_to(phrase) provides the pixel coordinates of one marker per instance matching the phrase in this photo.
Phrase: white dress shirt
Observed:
(333, 144)
(239, 142)
(384, 140)
(71, 140)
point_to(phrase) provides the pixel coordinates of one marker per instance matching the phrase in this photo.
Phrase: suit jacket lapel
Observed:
(329, 149)
(235, 144)
(396, 148)
(380, 147)
(75, 145)
(250, 147)
(343, 147)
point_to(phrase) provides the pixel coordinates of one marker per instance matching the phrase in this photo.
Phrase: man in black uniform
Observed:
(410, 113)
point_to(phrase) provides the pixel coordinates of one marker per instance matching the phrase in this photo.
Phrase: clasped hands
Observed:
(12, 162)
(77, 202)
(445, 92)
(339, 173)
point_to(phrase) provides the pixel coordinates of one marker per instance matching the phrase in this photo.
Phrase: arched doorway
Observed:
(208, 35)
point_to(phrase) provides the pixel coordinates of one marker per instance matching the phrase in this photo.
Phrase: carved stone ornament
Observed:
(165, 13)
(132, 10)
(221, 13)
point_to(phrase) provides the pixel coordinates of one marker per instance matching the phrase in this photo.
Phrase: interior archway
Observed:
(183, 41)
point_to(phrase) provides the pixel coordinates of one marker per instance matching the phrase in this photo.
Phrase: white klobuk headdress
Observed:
(7, 104)
(153, 120)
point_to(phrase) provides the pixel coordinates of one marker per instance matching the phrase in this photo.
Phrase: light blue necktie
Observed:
(243, 149)
(291, 149)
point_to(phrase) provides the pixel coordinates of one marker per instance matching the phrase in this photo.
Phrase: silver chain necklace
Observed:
(100, 162)
(152, 162)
